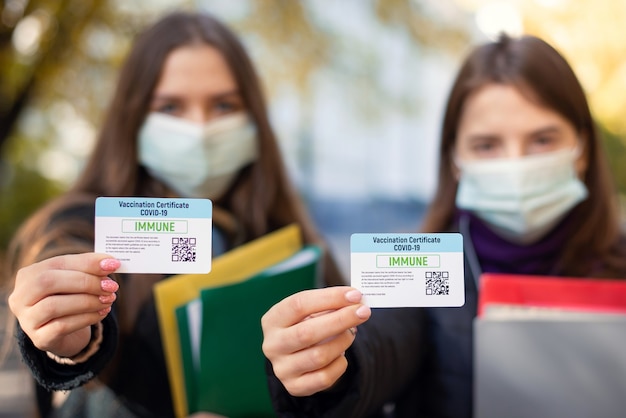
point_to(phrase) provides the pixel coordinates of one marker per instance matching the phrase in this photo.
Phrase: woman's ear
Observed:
(454, 167)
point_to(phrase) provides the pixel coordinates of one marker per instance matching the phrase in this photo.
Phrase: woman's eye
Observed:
(544, 140)
(546, 143)
(170, 108)
(484, 148)
(225, 107)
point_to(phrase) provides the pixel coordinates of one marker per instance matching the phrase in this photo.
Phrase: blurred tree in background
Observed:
(59, 60)
(55, 63)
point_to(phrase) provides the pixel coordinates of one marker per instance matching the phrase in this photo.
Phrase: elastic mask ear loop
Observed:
(580, 146)
(578, 150)
(456, 165)
(578, 153)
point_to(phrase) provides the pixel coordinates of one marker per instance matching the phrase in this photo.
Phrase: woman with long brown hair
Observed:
(187, 80)
(523, 177)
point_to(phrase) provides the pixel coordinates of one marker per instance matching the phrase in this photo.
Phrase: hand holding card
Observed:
(56, 309)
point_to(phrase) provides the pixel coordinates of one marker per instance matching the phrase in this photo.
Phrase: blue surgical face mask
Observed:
(522, 199)
(197, 160)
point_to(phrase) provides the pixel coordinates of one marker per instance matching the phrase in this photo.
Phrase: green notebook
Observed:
(221, 337)
(189, 319)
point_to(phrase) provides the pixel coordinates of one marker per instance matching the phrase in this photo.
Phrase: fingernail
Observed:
(110, 264)
(363, 312)
(108, 298)
(104, 311)
(353, 296)
(109, 285)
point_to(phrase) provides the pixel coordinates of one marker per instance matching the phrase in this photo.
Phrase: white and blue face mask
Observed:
(522, 199)
(197, 160)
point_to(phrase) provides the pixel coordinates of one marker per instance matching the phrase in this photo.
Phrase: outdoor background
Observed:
(355, 89)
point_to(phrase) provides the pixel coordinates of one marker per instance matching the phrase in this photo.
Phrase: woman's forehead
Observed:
(503, 107)
(195, 69)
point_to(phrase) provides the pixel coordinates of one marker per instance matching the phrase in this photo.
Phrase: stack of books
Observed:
(211, 323)
(550, 347)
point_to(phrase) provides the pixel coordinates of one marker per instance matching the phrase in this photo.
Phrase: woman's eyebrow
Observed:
(482, 137)
(227, 94)
(550, 129)
(165, 97)
(175, 96)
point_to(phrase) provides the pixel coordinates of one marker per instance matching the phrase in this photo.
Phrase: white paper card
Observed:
(408, 270)
(155, 235)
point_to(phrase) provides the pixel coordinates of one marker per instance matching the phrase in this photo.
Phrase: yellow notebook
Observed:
(234, 266)
(221, 337)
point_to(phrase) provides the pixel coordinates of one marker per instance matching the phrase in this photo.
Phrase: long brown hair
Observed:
(540, 72)
(261, 200)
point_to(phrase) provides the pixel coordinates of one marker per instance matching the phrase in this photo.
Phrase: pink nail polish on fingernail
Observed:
(109, 285)
(108, 298)
(110, 264)
(353, 296)
(104, 311)
(363, 312)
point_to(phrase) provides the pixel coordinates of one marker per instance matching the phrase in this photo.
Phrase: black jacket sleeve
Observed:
(382, 362)
(54, 376)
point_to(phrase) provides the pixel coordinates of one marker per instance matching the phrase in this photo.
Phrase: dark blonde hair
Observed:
(541, 73)
(261, 200)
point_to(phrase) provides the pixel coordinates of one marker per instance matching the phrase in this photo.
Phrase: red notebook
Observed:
(570, 293)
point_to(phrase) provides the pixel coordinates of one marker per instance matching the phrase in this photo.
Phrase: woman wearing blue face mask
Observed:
(523, 177)
(187, 119)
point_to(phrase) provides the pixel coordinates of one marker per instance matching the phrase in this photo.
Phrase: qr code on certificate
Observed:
(184, 249)
(437, 283)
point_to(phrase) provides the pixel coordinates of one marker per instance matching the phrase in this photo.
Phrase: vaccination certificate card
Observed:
(155, 235)
(408, 270)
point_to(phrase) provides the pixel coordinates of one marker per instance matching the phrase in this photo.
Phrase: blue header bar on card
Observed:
(406, 243)
(150, 207)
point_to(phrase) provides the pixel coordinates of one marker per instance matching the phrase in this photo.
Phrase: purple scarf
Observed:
(497, 255)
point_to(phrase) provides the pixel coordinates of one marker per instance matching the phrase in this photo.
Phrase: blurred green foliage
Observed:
(26, 191)
(615, 147)
(83, 42)
(72, 62)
